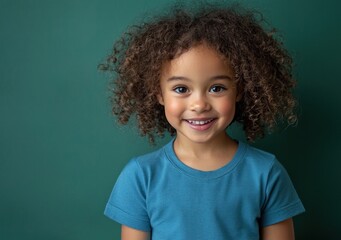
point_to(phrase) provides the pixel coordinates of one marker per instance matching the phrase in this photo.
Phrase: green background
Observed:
(61, 151)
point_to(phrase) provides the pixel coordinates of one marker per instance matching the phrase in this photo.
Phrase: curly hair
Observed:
(261, 65)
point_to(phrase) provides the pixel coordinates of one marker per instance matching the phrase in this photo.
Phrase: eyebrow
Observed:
(179, 78)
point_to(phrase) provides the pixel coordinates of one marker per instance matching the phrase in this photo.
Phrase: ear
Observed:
(160, 99)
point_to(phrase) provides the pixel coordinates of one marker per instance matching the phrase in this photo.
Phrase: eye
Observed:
(180, 89)
(217, 89)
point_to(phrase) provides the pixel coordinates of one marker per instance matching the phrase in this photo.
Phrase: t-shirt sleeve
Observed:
(127, 202)
(281, 201)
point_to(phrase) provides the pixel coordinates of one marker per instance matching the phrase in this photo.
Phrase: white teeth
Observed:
(194, 122)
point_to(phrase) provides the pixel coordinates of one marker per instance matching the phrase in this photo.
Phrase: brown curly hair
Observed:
(261, 64)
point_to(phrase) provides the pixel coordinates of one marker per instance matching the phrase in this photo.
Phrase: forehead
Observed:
(199, 60)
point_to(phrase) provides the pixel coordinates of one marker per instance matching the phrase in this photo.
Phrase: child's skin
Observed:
(199, 94)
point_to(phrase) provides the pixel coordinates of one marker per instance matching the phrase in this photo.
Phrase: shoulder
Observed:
(151, 159)
(146, 163)
(138, 171)
(260, 164)
(258, 158)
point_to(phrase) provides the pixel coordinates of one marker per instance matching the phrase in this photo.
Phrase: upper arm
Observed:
(128, 233)
(280, 231)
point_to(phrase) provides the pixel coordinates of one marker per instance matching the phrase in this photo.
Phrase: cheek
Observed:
(173, 108)
(227, 108)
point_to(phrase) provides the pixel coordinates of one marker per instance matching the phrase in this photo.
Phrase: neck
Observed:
(208, 155)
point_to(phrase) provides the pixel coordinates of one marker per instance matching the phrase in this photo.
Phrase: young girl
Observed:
(193, 73)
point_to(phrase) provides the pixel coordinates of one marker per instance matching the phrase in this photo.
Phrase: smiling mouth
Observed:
(200, 122)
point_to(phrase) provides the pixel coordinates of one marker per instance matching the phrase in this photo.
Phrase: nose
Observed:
(199, 103)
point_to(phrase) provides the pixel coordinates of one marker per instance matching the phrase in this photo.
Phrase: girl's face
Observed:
(199, 94)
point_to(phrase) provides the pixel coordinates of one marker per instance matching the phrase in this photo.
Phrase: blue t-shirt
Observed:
(158, 193)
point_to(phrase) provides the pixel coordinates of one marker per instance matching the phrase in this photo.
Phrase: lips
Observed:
(200, 124)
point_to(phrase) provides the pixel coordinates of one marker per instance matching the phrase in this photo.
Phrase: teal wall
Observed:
(60, 151)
